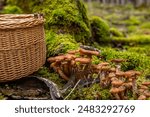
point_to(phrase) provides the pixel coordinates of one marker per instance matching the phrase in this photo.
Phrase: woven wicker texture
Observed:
(22, 46)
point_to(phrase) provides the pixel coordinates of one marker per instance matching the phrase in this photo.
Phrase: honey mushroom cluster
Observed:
(79, 64)
(143, 91)
(120, 82)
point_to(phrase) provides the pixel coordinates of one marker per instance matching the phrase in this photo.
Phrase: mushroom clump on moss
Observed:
(78, 63)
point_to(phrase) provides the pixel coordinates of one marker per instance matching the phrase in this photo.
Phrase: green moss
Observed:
(95, 60)
(131, 28)
(59, 43)
(46, 73)
(69, 16)
(26, 5)
(134, 60)
(100, 29)
(140, 49)
(132, 21)
(11, 10)
(115, 32)
(133, 39)
(91, 93)
(146, 25)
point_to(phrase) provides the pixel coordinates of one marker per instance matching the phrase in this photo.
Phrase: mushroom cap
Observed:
(128, 85)
(117, 83)
(118, 60)
(147, 93)
(111, 75)
(129, 74)
(51, 59)
(142, 97)
(146, 83)
(105, 68)
(83, 60)
(114, 79)
(120, 73)
(94, 66)
(69, 57)
(141, 91)
(144, 87)
(137, 73)
(73, 51)
(56, 58)
(104, 64)
(89, 52)
(113, 69)
(114, 90)
(122, 88)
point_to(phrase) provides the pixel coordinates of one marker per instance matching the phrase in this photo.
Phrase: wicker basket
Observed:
(22, 45)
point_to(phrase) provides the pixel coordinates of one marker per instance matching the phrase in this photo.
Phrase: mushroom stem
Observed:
(62, 74)
(116, 95)
(134, 85)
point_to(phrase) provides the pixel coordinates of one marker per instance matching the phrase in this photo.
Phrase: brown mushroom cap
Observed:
(88, 52)
(73, 51)
(129, 74)
(105, 68)
(120, 73)
(128, 85)
(122, 88)
(83, 60)
(147, 93)
(117, 83)
(114, 79)
(113, 69)
(111, 75)
(69, 57)
(146, 83)
(140, 91)
(143, 87)
(114, 90)
(57, 58)
(142, 97)
(118, 60)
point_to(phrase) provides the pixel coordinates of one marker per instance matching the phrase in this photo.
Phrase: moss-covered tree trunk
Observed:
(66, 22)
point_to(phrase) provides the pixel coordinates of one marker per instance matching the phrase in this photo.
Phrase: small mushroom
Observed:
(146, 83)
(57, 58)
(117, 83)
(103, 74)
(120, 75)
(142, 97)
(118, 63)
(113, 70)
(147, 93)
(122, 92)
(114, 92)
(133, 75)
(73, 51)
(89, 53)
(114, 79)
(83, 60)
(144, 87)
(128, 85)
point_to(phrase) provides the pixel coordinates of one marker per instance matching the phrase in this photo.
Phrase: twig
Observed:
(72, 89)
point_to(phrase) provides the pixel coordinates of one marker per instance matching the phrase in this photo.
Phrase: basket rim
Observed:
(13, 21)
